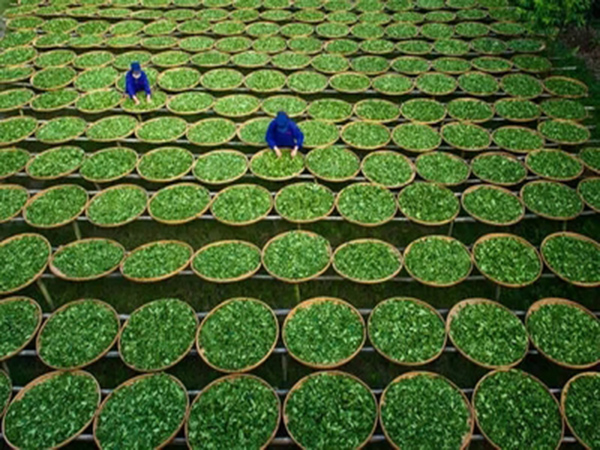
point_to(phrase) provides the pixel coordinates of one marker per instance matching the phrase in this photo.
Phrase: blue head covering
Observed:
(135, 66)
(282, 120)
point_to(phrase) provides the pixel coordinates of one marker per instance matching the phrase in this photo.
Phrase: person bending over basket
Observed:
(283, 132)
(137, 81)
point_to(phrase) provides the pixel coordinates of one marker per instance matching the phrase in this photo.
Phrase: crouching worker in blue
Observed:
(283, 132)
(137, 81)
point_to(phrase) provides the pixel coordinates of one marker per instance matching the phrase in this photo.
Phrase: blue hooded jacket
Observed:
(135, 85)
(283, 132)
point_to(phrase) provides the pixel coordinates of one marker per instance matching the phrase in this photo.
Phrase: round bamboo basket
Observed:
(16, 187)
(390, 119)
(22, 138)
(424, 222)
(563, 402)
(162, 99)
(487, 58)
(232, 377)
(65, 139)
(479, 94)
(175, 89)
(119, 224)
(59, 224)
(505, 155)
(163, 180)
(475, 301)
(160, 369)
(263, 90)
(107, 180)
(241, 127)
(28, 61)
(97, 111)
(130, 382)
(412, 149)
(83, 67)
(368, 240)
(202, 352)
(517, 128)
(334, 180)
(528, 97)
(56, 271)
(54, 177)
(489, 374)
(37, 327)
(112, 138)
(404, 363)
(435, 94)
(224, 140)
(38, 344)
(229, 180)
(407, 160)
(304, 221)
(140, 126)
(366, 225)
(247, 222)
(433, 284)
(18, 77)
(161, 277)
(179, 221)
(284, 96)
(390, 93)
(573, 123)
(234, 114)
(20, 106)
(308, 304)
(486, 221)
(270, 178)
(53, 88)
(590, 205)
(299, 384)
(4, 407)
(489, 236)
(297, 90)
(452, 156)
(466, 99)
(531, 169)
(405, 376)
(412, 57)
(41, 379)
(427, 100)
(12, 150)
(517, 120)
(570, 80)
(467, 149)
(348, 91)
(245, 276)
(541, 214)
(559, 301)
(295, 280)
(575, 236)
(186, 113)
(363, 146)
(587, 165)
(41, 271)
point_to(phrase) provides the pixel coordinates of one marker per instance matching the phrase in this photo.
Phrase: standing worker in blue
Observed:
(137, 81)
(283, 132)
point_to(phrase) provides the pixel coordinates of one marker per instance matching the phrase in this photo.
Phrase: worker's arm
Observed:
(270, 137)
(298, 135)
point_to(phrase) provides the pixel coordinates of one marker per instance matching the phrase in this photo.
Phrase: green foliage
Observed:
(179, 202)
(330, 109)
(15, 129)
(387, 168)
(165, 163)
(350, 82)
(411, 65)
(564, 131)
(471, 110)
(438, 260)
(466, 136)
(582, 409)
(573, 258)
(551, 199)
(117, 206)
(565, 87)
(108, 164)
(98, 78)
(443, 168)
(265, 81)
(242, 204)
(428, 203)
(521, 85)
(517, 109)
(15, 98)
(162, 129)
(554, 13)
(144, 413)
(12, 200)
(87, 259)
(365, 135)
(56, 206)
(366, 204)
(498, 168)
(332, 163)
(220, 166)
(452, 47)
(423, 110)
(237, 105)
(61, 129)
(554, 164)
(304, 202)
(19, 320)
(158, 259)
(560, 108)
(516, 411)
(508, 260)
(179, 79)
(589, 189)
(209, 132)
(493, 205)
(318, 133)
(17, 56)
(96, 101)
(190, 102)
(12, 160)
(227, 260)
(52, 411)
(366, 260)
(56, 162)
(518, 139)
(477, 83)
(112, 128)
(591, 158)
(5, 390)
(267, 165)
(291, 105)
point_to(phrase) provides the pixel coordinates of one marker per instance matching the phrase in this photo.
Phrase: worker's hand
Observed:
(148, 98)
(277, 151)
(294, 152)
(136, 100)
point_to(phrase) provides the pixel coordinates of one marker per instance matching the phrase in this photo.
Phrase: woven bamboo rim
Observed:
(307, 304)
(559, 301)
(563, 401)
(480, 94)
(451, 156)
(40, 380)
(391, 119)
(374, 241)
(65, 139)
(396, 154)
(405, 376)
(112, 138)
(334, 180)
(132, 381)
(202, 352)
(38, 313)
(186, 113)
(97, 111)
(478, 301)
(234, 114)
(156, 107)
(54, 177)
(141, 125)
(434, 284)
(161, 76)
(362, 224)
(570, 80)
(544, 215)
(4, 407)
(424, 100)
(268, 178)
(349, 91)
(226, 280)
(570, 122)
(514, 127)
(38, 344)
(16, 187)
(40, 194)
(107, 180)
(476, 121)
(500, 189)
(295, 280)
(224, 140)
(247, 222)
(467, 149)
(118, 224)
(160, 277)
(228, 180)
(578, 236)
(305, 221)
(299, 384)
(263, 90)
(412, 86)
(163, 368)
(20, 106)
(513, 119)
(177, 221)
(163, 180)
(421, 304)
(361, 146)
(487, 58)
(540, 383)
(573, 177)
(586, 201)
(528, 97)
(505, 155)
(232, 377)
(22, 138)
(425, 222)
(56, 271)
(20, 77)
